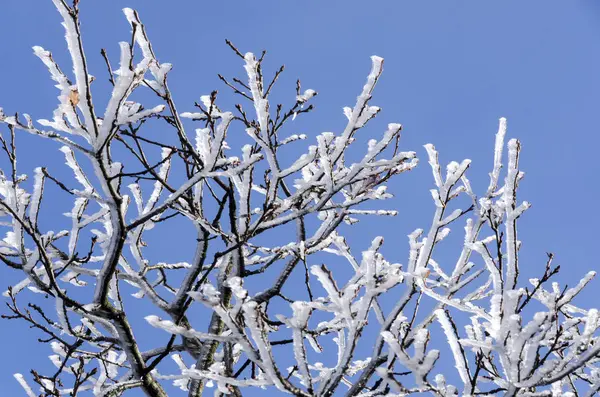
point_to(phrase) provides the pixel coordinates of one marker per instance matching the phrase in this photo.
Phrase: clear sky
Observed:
(452, 68)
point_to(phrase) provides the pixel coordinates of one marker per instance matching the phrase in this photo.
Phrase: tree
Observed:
(259, 222)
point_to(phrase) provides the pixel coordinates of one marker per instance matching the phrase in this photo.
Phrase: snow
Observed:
(454, 346)
(24, 385)
(79, 174)
(79, 64)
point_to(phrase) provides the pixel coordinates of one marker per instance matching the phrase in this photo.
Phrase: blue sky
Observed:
(451, 70)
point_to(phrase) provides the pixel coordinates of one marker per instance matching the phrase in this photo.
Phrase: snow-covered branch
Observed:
(259, 304)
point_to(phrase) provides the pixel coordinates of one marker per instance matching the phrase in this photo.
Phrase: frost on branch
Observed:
(258, 305)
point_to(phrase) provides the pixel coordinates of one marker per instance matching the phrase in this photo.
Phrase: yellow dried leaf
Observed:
(74, 97)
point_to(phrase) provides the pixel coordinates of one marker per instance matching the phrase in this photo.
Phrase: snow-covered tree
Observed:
(261, 213)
